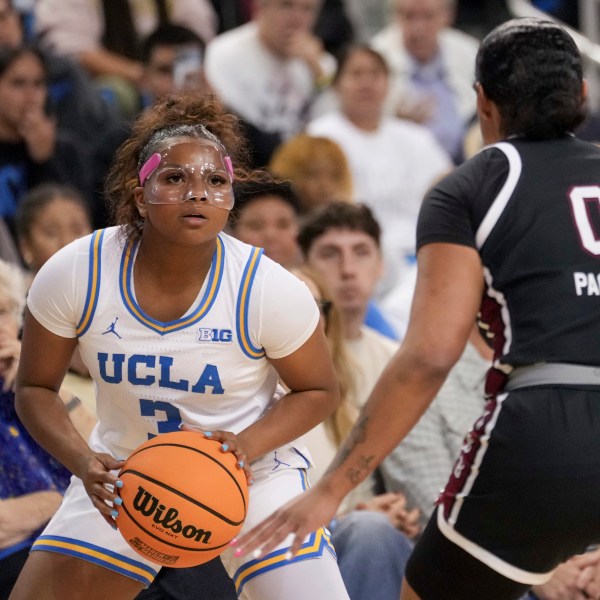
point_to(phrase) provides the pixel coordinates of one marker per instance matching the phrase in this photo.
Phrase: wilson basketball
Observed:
(184, 499)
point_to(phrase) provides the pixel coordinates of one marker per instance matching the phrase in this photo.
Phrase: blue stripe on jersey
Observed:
(98, 555)
(304, 482)
(302, 457)
(215, 276)
(242, 306)
(313, 548)
(93, 287)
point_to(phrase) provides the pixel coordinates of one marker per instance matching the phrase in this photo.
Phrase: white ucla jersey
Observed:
(207, 368)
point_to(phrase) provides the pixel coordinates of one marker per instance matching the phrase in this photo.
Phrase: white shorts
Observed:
(78, 529)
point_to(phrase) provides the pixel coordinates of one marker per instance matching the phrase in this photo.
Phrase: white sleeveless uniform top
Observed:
(208, 368)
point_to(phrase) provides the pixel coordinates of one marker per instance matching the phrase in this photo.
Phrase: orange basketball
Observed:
(184, 499)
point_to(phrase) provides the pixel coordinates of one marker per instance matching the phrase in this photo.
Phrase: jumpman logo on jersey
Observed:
(278, 462)
(112, 328)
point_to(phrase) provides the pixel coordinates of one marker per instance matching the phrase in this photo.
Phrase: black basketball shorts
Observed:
(523, 496)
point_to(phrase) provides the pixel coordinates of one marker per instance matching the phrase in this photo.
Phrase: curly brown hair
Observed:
(185, 115)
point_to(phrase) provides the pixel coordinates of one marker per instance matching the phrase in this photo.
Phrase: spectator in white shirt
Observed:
(269, 71)
(393, 161)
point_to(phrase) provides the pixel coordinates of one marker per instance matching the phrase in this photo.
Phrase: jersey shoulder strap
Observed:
(93, 284)
(242, 305)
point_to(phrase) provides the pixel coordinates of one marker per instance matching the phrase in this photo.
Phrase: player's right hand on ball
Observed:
(100, 482)
(230, 442)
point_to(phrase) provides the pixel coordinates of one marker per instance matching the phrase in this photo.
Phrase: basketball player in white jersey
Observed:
(180, 325)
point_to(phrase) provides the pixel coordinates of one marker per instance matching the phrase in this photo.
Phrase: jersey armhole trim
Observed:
(243, 302)
(499, 204)
(93, 285)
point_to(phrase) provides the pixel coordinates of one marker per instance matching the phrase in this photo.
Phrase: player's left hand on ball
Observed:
(230, 442)
(100, 482)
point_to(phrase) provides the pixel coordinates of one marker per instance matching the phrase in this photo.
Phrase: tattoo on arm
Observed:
(357, 474)
(356, 437)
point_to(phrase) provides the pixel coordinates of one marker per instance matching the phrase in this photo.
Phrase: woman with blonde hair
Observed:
(371, 534)
(340, 422)
(317, 168)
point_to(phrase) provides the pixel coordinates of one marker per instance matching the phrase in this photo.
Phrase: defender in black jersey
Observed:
(512, 237)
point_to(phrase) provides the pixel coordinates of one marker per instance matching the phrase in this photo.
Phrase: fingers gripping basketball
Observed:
(183, 498)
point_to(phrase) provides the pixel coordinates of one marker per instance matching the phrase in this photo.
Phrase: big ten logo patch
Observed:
(207, 335)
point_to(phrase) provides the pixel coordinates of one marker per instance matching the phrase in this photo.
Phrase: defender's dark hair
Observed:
(532, 70)
(338, 215)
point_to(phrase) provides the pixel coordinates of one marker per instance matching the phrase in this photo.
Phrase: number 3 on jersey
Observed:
(149, 408)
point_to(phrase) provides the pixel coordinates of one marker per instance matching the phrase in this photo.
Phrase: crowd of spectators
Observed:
(91, 67)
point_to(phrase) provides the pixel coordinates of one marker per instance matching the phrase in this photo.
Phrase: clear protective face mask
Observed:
(191, 170)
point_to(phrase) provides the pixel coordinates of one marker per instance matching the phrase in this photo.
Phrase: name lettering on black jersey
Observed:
(587, 284)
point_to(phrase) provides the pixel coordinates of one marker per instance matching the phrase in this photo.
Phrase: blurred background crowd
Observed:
(361, 101)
